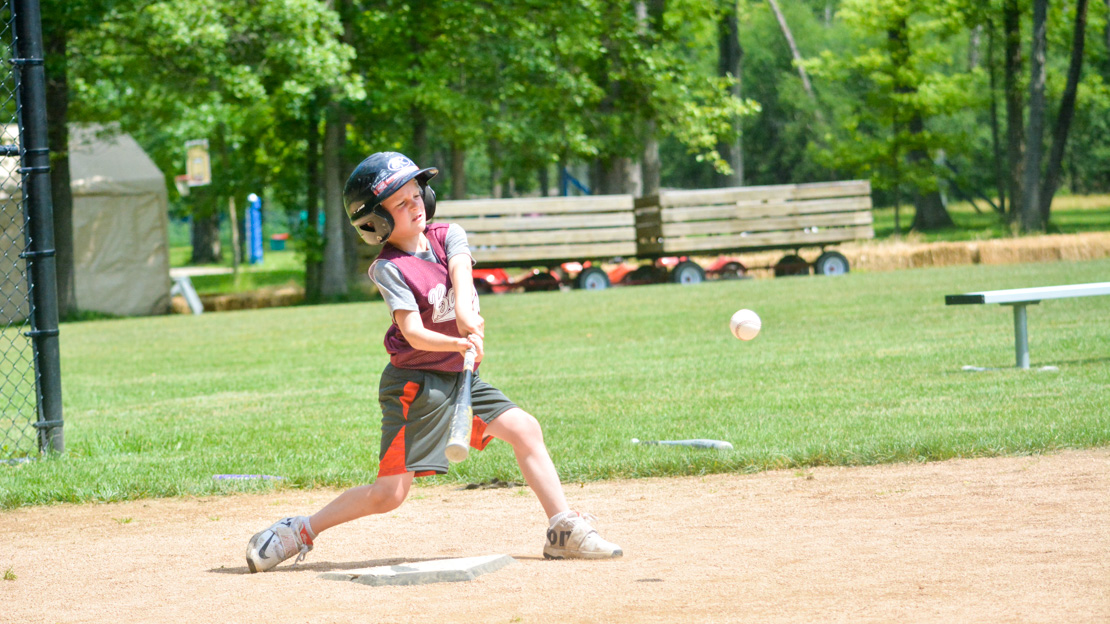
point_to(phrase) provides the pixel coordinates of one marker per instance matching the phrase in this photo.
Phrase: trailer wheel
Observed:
(732, 270)
(645, 274)
(791, 265)
(540, 281)
(592, 278)
(831, 263)
(687, 272)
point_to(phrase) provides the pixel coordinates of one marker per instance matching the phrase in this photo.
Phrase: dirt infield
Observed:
(1018, 539)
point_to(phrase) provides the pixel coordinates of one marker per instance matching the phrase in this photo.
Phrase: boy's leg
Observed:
(569, 534)
(294, 536)
(385, 494)
(521, 430)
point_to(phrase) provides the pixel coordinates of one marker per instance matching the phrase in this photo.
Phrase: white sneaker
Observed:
(572, 537)
(287, 537)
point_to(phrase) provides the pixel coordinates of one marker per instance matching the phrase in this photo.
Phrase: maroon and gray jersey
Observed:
(429, 282)
(392, 285)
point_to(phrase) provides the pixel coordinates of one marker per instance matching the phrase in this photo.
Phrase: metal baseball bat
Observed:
(698, 443)
(458, 438)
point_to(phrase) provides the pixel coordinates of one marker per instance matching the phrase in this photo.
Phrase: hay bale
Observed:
(951, 254)
(178, 305)
(254, 300)
(1051, 248)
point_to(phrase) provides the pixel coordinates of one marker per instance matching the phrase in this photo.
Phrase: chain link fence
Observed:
(28, 425)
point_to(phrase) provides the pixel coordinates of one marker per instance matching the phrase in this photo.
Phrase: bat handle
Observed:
(468, 359)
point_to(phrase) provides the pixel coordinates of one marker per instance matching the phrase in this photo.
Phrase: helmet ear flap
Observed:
(379, 226)
(428, 194)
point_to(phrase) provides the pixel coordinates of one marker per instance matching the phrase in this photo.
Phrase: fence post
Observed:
(35, 170)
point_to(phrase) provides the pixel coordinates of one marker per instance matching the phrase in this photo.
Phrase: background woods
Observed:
(1002, 103)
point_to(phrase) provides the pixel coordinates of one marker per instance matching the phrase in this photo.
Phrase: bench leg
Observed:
(1021, 336)
(184, 286)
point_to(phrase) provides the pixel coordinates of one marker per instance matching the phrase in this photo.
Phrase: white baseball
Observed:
(745, 324)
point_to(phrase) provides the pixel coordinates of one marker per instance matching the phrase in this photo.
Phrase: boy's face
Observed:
(406, 206)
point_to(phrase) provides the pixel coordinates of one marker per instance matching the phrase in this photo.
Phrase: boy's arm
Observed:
(424, 339)
(462, 279)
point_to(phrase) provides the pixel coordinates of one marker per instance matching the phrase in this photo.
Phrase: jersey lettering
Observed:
(442, 301)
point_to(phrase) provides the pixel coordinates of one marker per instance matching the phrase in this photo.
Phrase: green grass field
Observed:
(857, 369)
(1071, 214)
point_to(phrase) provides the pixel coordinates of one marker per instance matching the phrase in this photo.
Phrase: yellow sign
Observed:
(197, 165)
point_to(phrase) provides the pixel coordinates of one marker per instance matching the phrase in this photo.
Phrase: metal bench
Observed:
(1021, 297)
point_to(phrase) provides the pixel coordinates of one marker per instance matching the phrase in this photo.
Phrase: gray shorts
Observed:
(416, 415)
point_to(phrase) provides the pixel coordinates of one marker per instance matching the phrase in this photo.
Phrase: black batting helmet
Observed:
(373, 180)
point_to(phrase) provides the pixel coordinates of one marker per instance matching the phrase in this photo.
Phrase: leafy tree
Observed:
(1030, 205)
(531, 84)
(253, 70)
(730, 56)
(291, 93)
(1064, 117)
(62, 20)
(778, 138)
(907, 83)
(1015, 136)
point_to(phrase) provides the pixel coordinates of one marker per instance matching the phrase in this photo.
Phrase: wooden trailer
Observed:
(566, 240)
(549, 232)
(754, 218)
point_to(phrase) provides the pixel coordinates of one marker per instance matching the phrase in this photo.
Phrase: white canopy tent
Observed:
(120, 223)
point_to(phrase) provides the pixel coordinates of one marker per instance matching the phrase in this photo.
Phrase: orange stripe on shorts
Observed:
(408, 396)
(478, 437)
(393, 462)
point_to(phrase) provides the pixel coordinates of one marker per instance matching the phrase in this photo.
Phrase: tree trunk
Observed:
(1067, 111)
(334, 282)
(650, 166)
(996, 143)
(61, 193)
(1031, 220)
(313, 267)
(612, 176)
(930, 213)
(458, 171)
(650, 16)
(896, 169)
(352, 242)
(233, 222)
(729, 58)
(206, 239)
(973, 43)
(495, 171)
(544, 181)
(420, 139)
(1015, 148)
(1106, 36)
(793, 49)
(421, 151)
(929, 209)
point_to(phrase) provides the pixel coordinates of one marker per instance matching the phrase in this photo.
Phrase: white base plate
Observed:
(423, 572)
